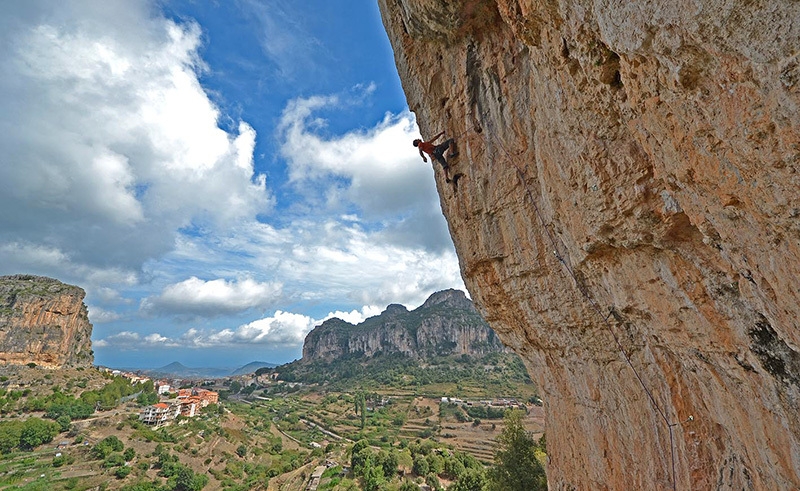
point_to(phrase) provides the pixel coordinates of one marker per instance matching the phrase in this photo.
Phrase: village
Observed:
(186, 402)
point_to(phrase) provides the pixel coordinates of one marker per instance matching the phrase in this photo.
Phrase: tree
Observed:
(373, 476)
(408, 486)
(10, 432)
(470, 480)
(357, 401)
(360, 460)
(432, 480)
(435, 464)
(389, 462)
(453, 467)
(361, 407)
(241, 450)
(359, 446)
(147, 398)
(420, 466)
(187, 480)
(516, 467)
(141, 486)
(37, 431)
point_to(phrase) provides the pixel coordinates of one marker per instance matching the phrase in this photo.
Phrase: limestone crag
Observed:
(43, 321)
(630, 189)
(446, 324)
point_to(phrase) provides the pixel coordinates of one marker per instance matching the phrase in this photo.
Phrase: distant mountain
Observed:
(444, 341)
(446, 324)
(252, 367)
(179, 370)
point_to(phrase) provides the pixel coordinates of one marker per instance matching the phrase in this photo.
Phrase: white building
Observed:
(159, 414)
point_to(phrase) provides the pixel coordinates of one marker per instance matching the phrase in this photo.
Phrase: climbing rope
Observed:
(588, 296)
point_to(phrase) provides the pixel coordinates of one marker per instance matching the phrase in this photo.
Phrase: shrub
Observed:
(241, 451)
(64, 422)
(114, 460)
(106, 446)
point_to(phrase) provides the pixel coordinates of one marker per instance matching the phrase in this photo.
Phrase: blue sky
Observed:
(220, 177)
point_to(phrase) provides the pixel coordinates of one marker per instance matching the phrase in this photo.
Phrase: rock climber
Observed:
(437, 151)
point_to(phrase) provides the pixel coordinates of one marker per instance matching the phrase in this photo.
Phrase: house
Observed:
(190, 406)
(199, 397)
(162, 387)
(208, 396)
(315, 478)
(159, 415)
(136, 379)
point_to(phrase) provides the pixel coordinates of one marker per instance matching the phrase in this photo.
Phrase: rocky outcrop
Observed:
(446, 324)
(43, 321)
(629, 221)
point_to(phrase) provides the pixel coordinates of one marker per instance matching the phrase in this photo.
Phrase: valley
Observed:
(269, 435)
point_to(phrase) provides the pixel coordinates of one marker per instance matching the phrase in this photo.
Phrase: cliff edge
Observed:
(43, 321)
(628, 221)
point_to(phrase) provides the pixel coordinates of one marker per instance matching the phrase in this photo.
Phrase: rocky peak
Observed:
(43, 321)
(447, 323)
(450, 298)
(394, 309)
(627, 221)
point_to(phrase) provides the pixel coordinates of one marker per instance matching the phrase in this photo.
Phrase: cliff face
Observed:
(43, 321)
(446, 324)
(630, 193)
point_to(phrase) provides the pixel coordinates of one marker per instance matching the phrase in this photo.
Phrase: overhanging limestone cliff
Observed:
(630, 172)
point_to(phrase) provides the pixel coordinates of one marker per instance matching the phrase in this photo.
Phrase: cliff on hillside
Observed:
(630, 175)
(43, 321)
(446, 324)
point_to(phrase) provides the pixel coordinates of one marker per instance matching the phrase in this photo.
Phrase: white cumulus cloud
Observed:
(110, 143)
(281, 330)
(215, 297)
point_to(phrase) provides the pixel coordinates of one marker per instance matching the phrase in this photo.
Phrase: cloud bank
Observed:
(283, 329)
(110, 142)
(121, 175)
